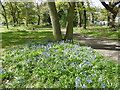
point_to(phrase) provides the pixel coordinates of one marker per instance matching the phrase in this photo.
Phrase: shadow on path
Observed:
(107, 47)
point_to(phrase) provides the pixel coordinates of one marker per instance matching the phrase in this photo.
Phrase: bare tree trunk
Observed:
(69, 25)
(26, 17)
(38, 20)
(55, 21)
(112, 20)
(38, 14)
(92, 17)
(80, 24)
(5, 15)
(79, 15)
(17, 16)
(84, 16)
(26, 12)
(108, 18)
(13, 14)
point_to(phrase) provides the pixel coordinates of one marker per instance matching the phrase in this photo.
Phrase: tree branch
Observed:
(115, 4)
(107, 7)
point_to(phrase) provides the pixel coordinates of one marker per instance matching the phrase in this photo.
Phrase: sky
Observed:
(96, 3)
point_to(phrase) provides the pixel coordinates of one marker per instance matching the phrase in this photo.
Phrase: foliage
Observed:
(57, 65)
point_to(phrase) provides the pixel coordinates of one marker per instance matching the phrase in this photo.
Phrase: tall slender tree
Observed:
(26, 12)
(84, 15)
(38, 14)
(13, 13)
(79, 13)
(4, 14)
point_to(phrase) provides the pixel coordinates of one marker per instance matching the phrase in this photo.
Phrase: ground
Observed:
(108, 48)
(98, 37)
(31, 60)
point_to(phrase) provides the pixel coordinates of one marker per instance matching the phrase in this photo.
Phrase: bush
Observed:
(57, 65)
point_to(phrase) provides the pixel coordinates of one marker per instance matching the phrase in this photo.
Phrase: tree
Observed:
(4, 14)
(55, 21)
(112, 9)
(69, 25)
(13, 13)
(38, 14)
(79, 13)
(84, 15)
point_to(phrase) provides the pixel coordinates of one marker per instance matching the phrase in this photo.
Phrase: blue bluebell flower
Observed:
(100, 79)
(107, 60)
(28, 61)
(84, 73)
(103, 85)
(72, 64)
(29, 41)
(77, 78)
(89, 81)
(77, 84)
(84, 86)
(1, 71)
(94, 57)
(92, 74)
(90, 65)
(85, 60)
(17, 45)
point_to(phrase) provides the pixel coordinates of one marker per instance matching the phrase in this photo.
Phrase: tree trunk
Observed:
(5, 15)
(17, 16)
(55, 21)
(13, 14)
(26, 18)
(38, 20)
(79, 16)
(26, 12)
(69, 25)
(112, 20)
(85, 19)
(108, 19)
(38, 14)
(92, 17)
(84, 16)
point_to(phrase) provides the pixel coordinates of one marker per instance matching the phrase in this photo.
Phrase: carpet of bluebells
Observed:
(57, 65)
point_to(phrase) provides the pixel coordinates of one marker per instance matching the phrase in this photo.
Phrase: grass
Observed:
(57, 65)
(31, 60)
(12, 37)
(102, 32)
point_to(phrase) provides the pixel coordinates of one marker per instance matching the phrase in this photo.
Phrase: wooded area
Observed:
(63, 14)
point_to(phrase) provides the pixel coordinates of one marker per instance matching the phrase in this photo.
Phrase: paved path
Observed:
(107, 47)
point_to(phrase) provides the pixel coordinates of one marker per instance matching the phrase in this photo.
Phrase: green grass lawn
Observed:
(31, 60)
(102, 32)
(17, 36)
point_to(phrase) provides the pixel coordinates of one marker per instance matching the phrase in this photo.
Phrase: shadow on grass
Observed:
(13, 38)
(106, 35)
